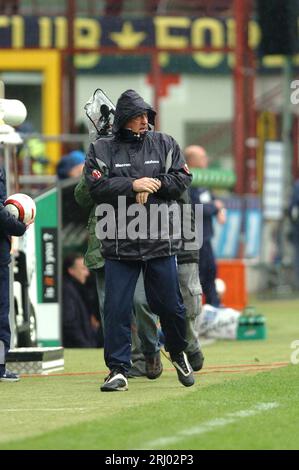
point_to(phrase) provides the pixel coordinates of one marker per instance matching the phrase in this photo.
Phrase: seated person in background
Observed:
(76, 318)
(90, 295)
(71, 165)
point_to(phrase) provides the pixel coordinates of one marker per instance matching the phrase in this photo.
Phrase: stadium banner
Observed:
(274, 180)
(227, 237)
(242, 232)
(47, 261)
(49, 265)
(253, 227)
(168, 32)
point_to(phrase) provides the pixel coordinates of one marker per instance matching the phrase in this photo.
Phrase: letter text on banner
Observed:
(199, 30)
(45, 32)
(87, 33)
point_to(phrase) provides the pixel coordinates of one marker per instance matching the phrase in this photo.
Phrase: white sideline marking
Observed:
(209, 426)
(17, 410)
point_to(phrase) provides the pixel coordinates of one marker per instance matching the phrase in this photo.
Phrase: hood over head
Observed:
(130, 105)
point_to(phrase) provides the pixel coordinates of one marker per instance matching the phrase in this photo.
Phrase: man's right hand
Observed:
(221, 216)
(219, 204)
(29, 223)
(150, 185)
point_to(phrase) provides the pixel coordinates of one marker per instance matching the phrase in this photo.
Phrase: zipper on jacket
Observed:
(116, 239)
(170, 246)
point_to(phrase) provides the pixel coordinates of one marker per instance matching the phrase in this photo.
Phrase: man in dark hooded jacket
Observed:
(136, 165)
(9, 226)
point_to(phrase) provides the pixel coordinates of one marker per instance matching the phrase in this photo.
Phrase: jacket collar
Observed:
(127, 135)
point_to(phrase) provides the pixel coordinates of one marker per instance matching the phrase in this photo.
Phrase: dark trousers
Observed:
(163, 296)
(4, 314)
(207, 273)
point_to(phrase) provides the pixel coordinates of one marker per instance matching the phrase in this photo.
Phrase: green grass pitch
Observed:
(246, 397)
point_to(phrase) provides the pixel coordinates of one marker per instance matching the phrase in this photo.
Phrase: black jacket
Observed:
(113, 164)
(9, 225)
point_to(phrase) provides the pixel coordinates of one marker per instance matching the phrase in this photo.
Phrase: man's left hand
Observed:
(141, 198)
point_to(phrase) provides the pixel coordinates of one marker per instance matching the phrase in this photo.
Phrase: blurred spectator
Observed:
(294, 215)
(76, 317)
(32, 154)
(71, 165)
(197, 157)
(9, 7)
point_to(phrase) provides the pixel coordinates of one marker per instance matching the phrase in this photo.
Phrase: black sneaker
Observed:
(137, 370)
(196, 360)
(9, 377)
(183, 368)
(153, 366)
(115, 382)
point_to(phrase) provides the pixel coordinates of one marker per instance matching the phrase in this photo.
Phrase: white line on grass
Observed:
(209, 426)
(17, 410)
